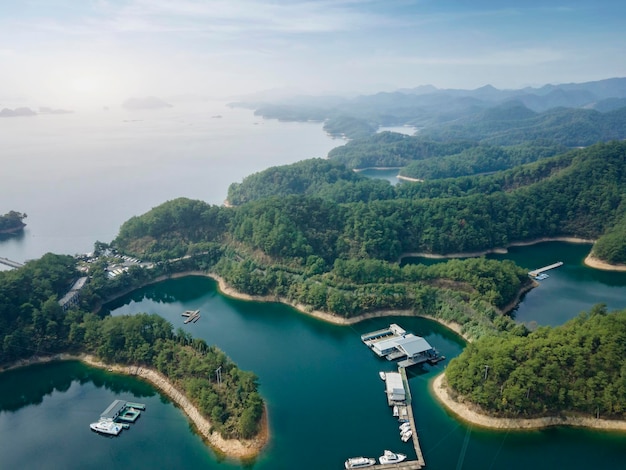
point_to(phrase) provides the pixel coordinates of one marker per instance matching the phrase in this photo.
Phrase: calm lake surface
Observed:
(79, 176)
(78, 179)
(570, 289)
(325, 399)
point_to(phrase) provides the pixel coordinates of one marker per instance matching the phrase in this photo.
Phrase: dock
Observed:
(124, 412)
(192, 316)
(402, 400)
(8, 262)
(395, 343)
(536, 273)
(416, 443)
(392, 331)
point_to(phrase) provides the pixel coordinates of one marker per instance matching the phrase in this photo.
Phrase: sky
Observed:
(70, 52)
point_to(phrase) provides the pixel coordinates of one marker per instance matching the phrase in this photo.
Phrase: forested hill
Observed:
(580, 193)
(423, 158)
(578, 367)
(508, 126)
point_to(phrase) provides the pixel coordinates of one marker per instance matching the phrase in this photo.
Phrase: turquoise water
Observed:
(325, 399)
(570, 289)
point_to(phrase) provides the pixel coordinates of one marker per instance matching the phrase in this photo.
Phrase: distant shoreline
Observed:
(590, 261)
(471, 414)
(501, 251)
(233, 448)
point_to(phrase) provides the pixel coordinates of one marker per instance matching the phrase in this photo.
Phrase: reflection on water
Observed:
(325, 399)
(569, 289)
(28, 386)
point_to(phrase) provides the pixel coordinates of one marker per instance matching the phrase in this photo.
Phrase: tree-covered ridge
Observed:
(349, 127)
(173, 227)
(576, 194)
(563, 126)
(480, 159)
(577, 367)
(391, 149)
(32, 323)
(307, 177)
(12, 222)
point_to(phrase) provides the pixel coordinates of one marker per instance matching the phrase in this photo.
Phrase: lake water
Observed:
(325, 400)
(78, 178)
(570, 289)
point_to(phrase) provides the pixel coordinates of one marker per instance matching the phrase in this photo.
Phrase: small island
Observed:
(12, 222)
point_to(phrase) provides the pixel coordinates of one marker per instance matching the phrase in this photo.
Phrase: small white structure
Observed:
(394, 388)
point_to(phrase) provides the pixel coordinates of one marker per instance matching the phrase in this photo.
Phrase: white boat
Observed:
(359, 462)
(391, 457)
(406, 435)
(396, 411)
(106, 427)
(382, 375)
(405, 427)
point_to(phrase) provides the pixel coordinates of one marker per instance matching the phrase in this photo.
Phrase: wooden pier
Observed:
(416, 442)
(8, 262)
(536, 272)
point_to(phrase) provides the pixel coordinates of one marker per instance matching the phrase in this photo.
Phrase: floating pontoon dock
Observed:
(537, 273)
(395, 343)
(123, 412)
(392, 331)
(192, 316)
(137, 406)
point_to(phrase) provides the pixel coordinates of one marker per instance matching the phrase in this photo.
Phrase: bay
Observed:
(325, 399)
(570, 289)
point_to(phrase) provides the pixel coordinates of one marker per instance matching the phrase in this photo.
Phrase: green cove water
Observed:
(570, 289)
(325, 400)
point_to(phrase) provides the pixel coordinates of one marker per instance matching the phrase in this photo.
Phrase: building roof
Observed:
(385, 344)
(413, 345)
(393, 383)
(113, 409)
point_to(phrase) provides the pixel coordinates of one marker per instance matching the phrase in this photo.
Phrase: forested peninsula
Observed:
(34, 324)
(317, 235)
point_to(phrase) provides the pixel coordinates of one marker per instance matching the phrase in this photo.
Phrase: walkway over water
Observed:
(8, 262)
(545, 268)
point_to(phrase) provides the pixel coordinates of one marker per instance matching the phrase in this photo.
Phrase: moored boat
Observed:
(382, 375)
(405, 427)
(391, 457)
(406, 435)
(359, 462)
(106, 427)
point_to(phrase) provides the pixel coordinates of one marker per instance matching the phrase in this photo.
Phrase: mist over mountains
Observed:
(429, 108)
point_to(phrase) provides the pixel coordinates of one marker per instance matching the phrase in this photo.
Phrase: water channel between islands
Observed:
(326, 402)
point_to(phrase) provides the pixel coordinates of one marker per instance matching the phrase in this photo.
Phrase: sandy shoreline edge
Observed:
(233, 448)
(466, 413)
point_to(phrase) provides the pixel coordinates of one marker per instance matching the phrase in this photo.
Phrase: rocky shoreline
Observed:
(470, 413)
(233, 448)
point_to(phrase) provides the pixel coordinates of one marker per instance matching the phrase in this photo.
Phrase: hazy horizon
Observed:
(74, 53)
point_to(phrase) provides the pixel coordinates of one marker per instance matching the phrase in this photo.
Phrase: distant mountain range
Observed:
(425, 106)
